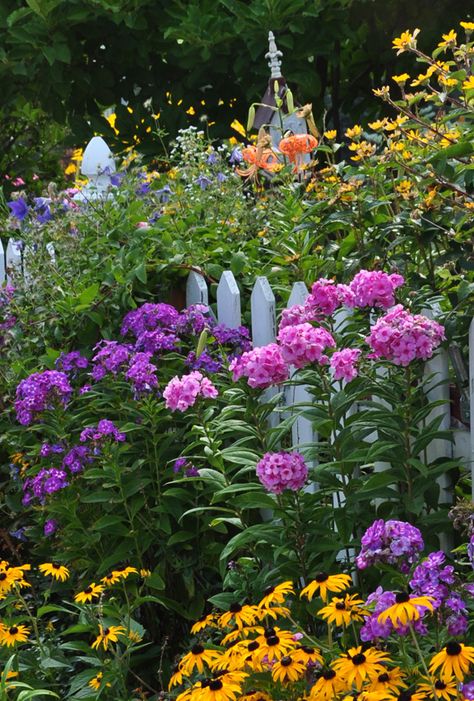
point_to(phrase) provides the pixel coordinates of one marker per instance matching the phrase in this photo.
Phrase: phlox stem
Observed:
(422, 660)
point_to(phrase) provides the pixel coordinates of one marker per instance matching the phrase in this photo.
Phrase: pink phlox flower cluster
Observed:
(263, 367)
(326, 296)
(283, 470)
(304, 344)
(297, 314)
(182, 392)
(374, 288)
(402, 337)
(343, 364)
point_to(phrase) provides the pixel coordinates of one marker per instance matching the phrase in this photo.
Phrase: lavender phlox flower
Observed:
(238, 339)
(392, 542)
(195, 319)
(71, 362)
(204, 362)
(48, 449)
(432, 577)
(189, 469)
(19, 208)
(457, 624)
(41, 391)
(156, 341)
(111, 356)
(50, 527)
(47, 482)
(142, 373)
(104, 429)
(467, 690)
(76, 459)
(19, 534)
(149, 317)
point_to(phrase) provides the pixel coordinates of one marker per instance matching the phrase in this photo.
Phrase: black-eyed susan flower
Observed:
(341, 611)
(406, 608)
(276, 595)
(95, 682)
(357, 666)
(52, 569)
(327, 687)
(443, 689)
(10, 635)
(274, 644)
(107, 634)
(307, 654)
(453, 661)
(206, 621)
(123, 571)
(381, 695)
(238, 615)
(274, 612)
(255, 696)
(388, 680)
(244, 632)
(288, 669)
(219, 690)
(145, 573)
(134, 636)
(324, 582)
(110, 578)
(197, 657)
(177, 677)
(93, 591)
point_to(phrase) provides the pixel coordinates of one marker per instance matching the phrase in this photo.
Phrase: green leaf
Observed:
(89, 294)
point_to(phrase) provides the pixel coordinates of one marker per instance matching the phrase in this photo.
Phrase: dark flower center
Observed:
(13, 630)
(3, 576)
(268, 632)
(252, 646)
(197, 649)
(405, 696)
(215, 685)
(88, 590)
(321, 577)
(383, 677)
(308, 650)
(453, 648)
(106, 631)
(273, 640)
(285, 661)
(402, 597)
(440, 685)
(235, 608)
(269, 590)
(109, 576)
(121, 568)
(358, 659)
(340, 606)
(329, 674)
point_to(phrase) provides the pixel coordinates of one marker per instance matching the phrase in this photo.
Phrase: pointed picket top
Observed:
(274, 55)
(13, 257)
(2, 264)
(97, 158)
(196, 290)
(228, 301)
(299, 294)
(262, 304)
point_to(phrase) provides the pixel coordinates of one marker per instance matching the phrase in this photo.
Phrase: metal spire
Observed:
(273, 56)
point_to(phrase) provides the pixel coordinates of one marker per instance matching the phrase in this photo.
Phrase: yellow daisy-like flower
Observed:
(406, 40)
(274, 612)
(324, 582)
(274, 644)
(93, 591)
(238, 615)
(405, 609)
(11, 635)
(353, 132)
(448, 39)
(401, 79)
(358, 667)
(219, 690)
(107, 634)
(123, 572)
(469, 83)
(327, 687)
(110, 578)
(276, 595)
(408, 695)
(288, 669)
(177, 677)
(468, 26)
(205, 621)
(196, 658)
(255, 696)
(382, 695)
(453, 660)
(443, 689)
(134, 636)
(305, 654)
(389, 680)
(378, 124)
(96, 681)
(52, 569)
(330, 134)
(342, 612)
(145, 573)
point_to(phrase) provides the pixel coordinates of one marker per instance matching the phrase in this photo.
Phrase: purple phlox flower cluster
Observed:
(50, 527)
(402, 337)
(182, 392)
(71, 362)
(183, 464)
(46, 482)
(41, 391)
(467, 690)
(204, 362)
(433, 578)
(193, 320)
(392, 542)
(344, 364)
(76, 459)
(149, 317)
(111, 356)
(373, 629)
(282, 470)
(48, 449)
(104, 430)
(142, 373)
(374, 288)
(19, 208)
(263, 367)
(470, 551)
(304, 344)
(156, 341)
(238, 339)
(7, 293)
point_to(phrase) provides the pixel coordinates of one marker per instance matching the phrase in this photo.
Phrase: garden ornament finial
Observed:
(273, 56)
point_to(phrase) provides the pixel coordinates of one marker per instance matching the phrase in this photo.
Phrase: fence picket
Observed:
(196, 290)
(2, 264)
(13, 258)
(263, 315)
(228, 301)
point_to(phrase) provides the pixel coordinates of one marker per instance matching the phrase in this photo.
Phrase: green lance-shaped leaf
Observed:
(251, 118)
(201, 343)
(290, 103)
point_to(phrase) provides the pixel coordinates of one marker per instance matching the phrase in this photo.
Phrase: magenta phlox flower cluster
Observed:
(76, 459)
(50, 527)
(157, 341)
(467, 690)
(46, 482)
(392, 542)
(142, 373)
(238, 339)
(326, 296)
(48, 449)
(71, 362)
(194, 319)
(433, 577)
(403, 337)
(111, 356)
(41, 391)
(104, 430)
(282, 470)
(263, 367)
(149, 317)
(344, 364)
(182, 392)
(304, 344)
(204, 362)
(183, 464)
(373, 288)
(297, 314)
